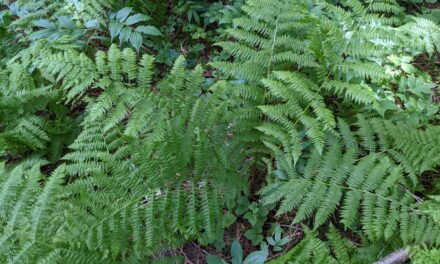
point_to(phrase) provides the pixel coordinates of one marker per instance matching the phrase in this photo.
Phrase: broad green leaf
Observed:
(214, 260)
(44, 23)
(228, 219)
(197, 18)
(44, 33)
(78, 33)
(112, 15)
(419, 87)
(55, 35)
(277, 232)
(115, 28)
(408, 68)
(283, 241)
(92, 23)
(271, 241)
(136, 18)
(124, 36)
(254, 234)
(66, 22)
(123, 13)
(5, 17)
(236, 252)
(136, 40)
(257, 257)
(149, 30)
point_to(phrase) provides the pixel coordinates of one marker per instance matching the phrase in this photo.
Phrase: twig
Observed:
(187, 260)
(418, 199)
(201, 249)
(398, 257)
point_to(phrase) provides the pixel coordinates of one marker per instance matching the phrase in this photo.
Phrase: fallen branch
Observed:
(397, 257)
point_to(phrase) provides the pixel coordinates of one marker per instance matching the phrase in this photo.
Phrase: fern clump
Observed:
(331, 64)
(22, 129)
(366, 179)
(267, 39)
(177, 166)
(170, 160)
(321, 114)
(27, 210)
(335, 249)
(425, 255)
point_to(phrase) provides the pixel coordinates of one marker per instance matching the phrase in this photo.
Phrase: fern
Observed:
(170, 182)
(28, 11)
(297, 93)
(91, 10)
(408, 145)
(76, 71)
(26, 213)
(267, 40)
(336, 249)
(164, 172)
(317, 59)
(424, 34)
(423, 254)
(309, 87)
(343, 180)
(22, 129)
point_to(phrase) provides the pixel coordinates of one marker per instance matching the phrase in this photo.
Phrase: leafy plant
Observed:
(256, 215)
(323, 114)
(424, 255)
(431, 206)
(335, 249)
(370, 182)
(276, 241)
(126, 28)
(65, 26)
(256, 257)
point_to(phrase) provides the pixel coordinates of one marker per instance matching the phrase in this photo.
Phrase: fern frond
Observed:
(332, 181)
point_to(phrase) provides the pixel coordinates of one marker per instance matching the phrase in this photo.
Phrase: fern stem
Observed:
(275, 33)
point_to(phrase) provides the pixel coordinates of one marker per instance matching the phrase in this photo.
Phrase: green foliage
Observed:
(40, 122)
(352, 63)
(276, 241)
(256, 216)
(297, 64)
(63, 27)
(126, 28)
(8, 46)
(27, 208)
(362, 172)
(256, 257)
(427, 35)
(431, 206)
(176, 175)
(117, 155)
(90, 10)
(425, 255)
(336, 249)
(296, 94)
(266, 40)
